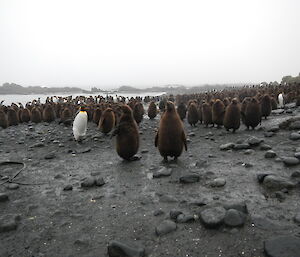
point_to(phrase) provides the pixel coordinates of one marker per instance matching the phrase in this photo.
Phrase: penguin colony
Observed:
(121, 116)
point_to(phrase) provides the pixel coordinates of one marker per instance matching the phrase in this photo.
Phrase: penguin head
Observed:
(82, 109)
(170, 106)
(126, 109)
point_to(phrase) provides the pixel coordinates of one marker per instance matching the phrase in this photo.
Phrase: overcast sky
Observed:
(147, 43)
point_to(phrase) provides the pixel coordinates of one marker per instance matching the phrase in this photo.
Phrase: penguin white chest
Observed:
(80, 125)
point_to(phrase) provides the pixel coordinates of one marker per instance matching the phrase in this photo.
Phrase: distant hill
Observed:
(12, 88)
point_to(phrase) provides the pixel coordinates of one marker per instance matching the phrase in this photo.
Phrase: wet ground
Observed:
(50, 221)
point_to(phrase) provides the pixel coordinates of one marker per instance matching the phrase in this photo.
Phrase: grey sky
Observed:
(147, 43)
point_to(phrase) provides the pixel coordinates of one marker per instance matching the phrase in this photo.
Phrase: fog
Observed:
(147, 43)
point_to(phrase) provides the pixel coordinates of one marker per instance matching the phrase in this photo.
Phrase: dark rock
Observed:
(277, 183)
(12, 186)
(270, 154)
(201, 163)
(163, 172)
(84, 150)
(199, 202)
(289, 111)
(8, 223)
(227, 146)
(264, 147)
(158, 212)
(278, 111)
(242, 146)
(192, 134)
(240, 206)
(290, 161)
(295, 125)
(234, 218)
(58, 176)
(284, 246)
(213, 217)
(274, 128)
(118, 249)
(99, 181)
(145, 151)
(248, 165)
(261, 176)
(296, 174)
(165, 227)
(249, 151)
(49, 156)
(218, 182)
(280, 196)
(192, 178)
(174, 214)
(254, 141)
(269, 134)
(295, 136)
(184, 218)
(265, 223)
(88, 182)
(68, 187)
(3, 197)
(297, 218)
(297, 155)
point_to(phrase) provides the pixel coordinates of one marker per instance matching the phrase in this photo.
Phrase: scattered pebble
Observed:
(119, 249)
(165, 227)
(213, 217)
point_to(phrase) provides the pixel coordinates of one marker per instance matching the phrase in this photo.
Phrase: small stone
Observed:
(84, 150)
(265, 147)
(49, 156)
(158, 212)
(296, 174)
(297, 155)
(37, 145)
(192, 178)
(227, 146)
(213, 217)
(240, 206)
(165, 227)
(249, 151)
(290, 161)
(295, 125)
(254, 141)
(289, 111)
(58, 176)
(218, 182)
(174, 214)
(269, 134)
(242, 146)
(88, 182)
(99, 181)
(183, 218)
(273, 129)
(163, 172)
(270, 154)
(261, 176)
(118, 249)
(13, 186)
(234, 218)
(68, 187)
(192, 134)
(297, 218)
(280, 196)
(285, 246)
(8, 223)
(145, 151)
(277, 182)
(3, 197)
(295, 136)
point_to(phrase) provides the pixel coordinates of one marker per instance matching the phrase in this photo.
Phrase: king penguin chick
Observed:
(170, 138)
(127, 132)
(80, 124)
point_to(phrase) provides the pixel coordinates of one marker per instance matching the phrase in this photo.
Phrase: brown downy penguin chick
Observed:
(97, 115)
(152, 110)
(36, 115)
(170, 138)
(232, 118)
(127, 142)
(273, 103)
(48, 113)
(266, 106)
(181, 110)
(3, 119)
(252, 113)
(218, 111)
(107, 121)
(243, 107)
(206, 114)
(138, 112)
(25, 115)
(192, 115)
(66, 117)
(12, 117)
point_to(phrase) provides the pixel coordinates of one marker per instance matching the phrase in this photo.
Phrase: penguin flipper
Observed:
(156, 139)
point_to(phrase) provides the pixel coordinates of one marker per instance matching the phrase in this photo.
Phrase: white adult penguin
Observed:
(280, 100)
(80, 124)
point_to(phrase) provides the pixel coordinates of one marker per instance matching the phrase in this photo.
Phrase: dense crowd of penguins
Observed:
(120, 116)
